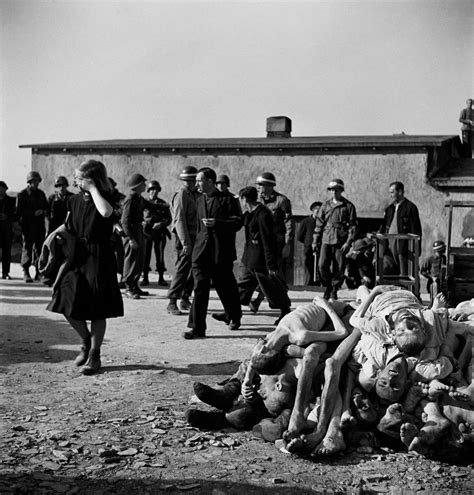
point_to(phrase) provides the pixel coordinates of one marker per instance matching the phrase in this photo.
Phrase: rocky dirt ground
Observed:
(124, 430)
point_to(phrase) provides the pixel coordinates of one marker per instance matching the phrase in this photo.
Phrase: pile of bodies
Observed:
(334, 376)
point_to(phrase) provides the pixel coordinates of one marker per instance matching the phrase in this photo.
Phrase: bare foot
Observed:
(312, 440)
(347, 419)
(467, 431)
(392, 420)
(332, 443)
(408, 432)
(416, 392)
(297, 445)
(296, 426)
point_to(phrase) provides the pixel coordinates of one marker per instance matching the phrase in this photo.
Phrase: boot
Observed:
(223, 398)
(145, 280)
(255, 304)
(26, 276)
(162, 281)
(185, 304)
(82, 357)
(173, 309)
(92, 365)
(208, 420)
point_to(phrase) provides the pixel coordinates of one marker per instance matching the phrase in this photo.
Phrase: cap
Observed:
(33, 175)
(60, 180)
(188, 173)
(135, 180)
(336, 184)
(315, 204)
(224, 179)
(2, 184)
(266, 178)
(153, 184)
(439, 246)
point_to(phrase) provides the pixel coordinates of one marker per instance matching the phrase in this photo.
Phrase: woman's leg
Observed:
(80, 327)
(92, 365)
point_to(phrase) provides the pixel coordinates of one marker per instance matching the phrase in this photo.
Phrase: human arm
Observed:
(463, 118)
(180, 205)
(288, 219)
(103, 206)
(320, 222)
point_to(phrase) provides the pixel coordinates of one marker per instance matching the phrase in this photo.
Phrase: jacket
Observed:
(260, 248)
(56, 258)
(280, 207)
(57, 210)
(132, 216)
(408, 221)
(217, 242)
(184, 215)
(305, 231)
(335, 224)
(27, 202)
(7, 207)
(157, 211)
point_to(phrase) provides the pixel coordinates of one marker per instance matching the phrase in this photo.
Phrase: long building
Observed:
(431, 167)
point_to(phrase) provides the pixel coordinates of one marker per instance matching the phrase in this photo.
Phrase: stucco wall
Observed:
(302, 178)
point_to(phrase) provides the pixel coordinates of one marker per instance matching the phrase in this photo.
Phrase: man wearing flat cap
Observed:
(334, 234)
(280, 207)
(7, 217)
(133, 241)
(157, 217)
(57, 203)
(32, 207)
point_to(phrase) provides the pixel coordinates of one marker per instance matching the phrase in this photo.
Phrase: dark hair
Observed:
(410, 343)
(249, 193)
(268, 363)
(95, 170)
(208, 173)
(398, 186)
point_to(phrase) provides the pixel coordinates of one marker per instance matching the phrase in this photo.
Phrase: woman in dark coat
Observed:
(89, 289)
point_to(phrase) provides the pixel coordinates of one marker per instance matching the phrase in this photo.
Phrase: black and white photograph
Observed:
(237, 247)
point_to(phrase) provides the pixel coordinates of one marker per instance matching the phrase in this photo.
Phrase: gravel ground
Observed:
(124, 430)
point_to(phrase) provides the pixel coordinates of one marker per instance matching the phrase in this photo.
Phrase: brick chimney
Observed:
(278, 127)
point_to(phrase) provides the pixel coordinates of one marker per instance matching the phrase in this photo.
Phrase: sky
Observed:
(73, 70)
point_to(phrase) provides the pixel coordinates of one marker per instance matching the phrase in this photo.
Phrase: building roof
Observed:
(324, 144)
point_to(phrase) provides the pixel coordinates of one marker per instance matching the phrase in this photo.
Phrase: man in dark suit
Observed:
(260, 258)
(7, 217)
(401, 217)
(214, 254)
(305, 236)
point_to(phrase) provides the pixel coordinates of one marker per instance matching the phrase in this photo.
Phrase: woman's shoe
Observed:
(92, 365)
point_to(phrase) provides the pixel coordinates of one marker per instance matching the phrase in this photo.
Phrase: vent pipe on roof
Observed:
(279, 127)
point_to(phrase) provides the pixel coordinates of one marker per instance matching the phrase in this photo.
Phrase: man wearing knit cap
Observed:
(57, 203)
(432, 268)
(305, 236)
(334, 233)
(280, 207)
(32, 207)
(7, 217)
(133, 241)
(183, 227)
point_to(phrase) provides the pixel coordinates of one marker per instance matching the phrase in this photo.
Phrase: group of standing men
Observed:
(205, 219)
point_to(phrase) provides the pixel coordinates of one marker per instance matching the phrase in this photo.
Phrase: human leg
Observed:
(6, 246)
(182, 283)
(80, 327)
(147, 260)
(246, 284)
(197, 313)
(159, 245)
(304, 388)
(325, 262)
(93, 363)
(331, 394)
(26, 255)
(226, 287)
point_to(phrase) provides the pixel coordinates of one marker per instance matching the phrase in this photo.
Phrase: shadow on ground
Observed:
(37, 346)
(40, 482)
(227, 368)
